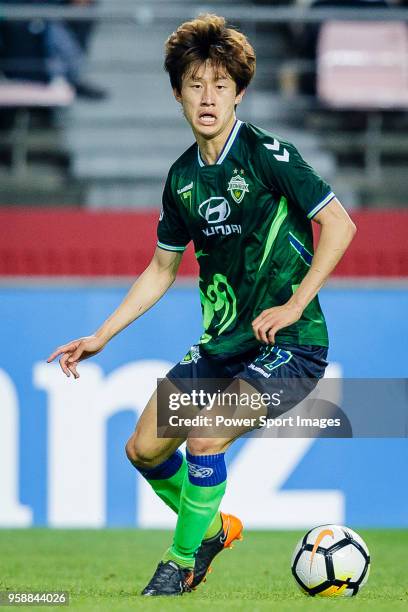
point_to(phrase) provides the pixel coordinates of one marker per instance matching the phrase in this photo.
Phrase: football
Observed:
(330, 561)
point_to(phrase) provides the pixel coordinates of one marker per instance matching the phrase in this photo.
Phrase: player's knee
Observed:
(139, 454)
(204, 446)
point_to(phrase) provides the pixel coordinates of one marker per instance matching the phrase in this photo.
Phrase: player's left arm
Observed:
(337, 231)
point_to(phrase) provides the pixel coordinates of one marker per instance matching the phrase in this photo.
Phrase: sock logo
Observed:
(199, 471)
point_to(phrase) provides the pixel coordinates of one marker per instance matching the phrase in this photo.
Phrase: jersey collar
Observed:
(230, 141)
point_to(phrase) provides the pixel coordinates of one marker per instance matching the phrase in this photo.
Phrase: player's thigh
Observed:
(146, 446)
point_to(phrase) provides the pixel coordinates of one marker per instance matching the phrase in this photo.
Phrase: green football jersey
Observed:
(249, 216)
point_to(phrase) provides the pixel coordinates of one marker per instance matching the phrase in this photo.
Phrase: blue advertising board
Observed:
(62, 460)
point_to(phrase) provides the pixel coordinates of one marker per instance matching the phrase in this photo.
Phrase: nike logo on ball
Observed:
(320, 537)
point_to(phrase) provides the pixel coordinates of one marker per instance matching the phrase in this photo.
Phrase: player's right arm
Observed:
(151, 285)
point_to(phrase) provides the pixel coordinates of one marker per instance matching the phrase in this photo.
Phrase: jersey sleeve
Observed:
(172, 232)
(286, 171)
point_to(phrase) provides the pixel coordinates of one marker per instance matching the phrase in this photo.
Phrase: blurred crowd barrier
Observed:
(88, 119)
(78, 243)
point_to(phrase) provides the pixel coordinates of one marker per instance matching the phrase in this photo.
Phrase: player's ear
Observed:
(177, 94)
(238, 97)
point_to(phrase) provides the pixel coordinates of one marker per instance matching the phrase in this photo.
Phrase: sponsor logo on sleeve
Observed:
(276, 146)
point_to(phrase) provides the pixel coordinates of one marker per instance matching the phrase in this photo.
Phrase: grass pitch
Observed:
(105, 570)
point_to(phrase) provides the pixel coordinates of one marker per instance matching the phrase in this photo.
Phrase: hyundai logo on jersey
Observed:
(215, 209)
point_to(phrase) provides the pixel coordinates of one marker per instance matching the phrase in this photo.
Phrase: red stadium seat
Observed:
(363, 65)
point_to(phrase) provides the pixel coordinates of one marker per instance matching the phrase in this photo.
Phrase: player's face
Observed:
(208, 98)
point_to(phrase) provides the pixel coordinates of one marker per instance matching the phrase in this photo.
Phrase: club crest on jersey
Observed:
(193, 355)
(238, 187)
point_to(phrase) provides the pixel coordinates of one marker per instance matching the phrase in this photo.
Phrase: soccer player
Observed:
(246, 199)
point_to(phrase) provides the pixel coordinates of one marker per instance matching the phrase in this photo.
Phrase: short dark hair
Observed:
(208, 38)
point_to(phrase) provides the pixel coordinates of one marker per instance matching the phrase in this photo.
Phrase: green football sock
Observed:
(198, 506)
(167, 478)
(169, 489)
(214, 527)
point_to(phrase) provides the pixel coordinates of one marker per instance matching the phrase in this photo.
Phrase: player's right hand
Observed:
(75, 351)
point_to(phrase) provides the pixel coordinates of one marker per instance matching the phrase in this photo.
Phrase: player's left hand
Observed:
(271, 320)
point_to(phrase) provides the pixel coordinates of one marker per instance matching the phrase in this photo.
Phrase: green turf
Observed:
(105, 570)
